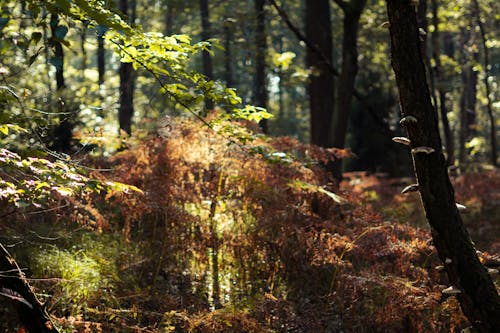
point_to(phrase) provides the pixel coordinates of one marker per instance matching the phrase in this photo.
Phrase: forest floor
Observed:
(225, 241)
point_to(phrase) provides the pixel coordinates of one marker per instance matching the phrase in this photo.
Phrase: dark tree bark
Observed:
(321, 82)
(58, 59)
(477, 294)
(15, 287)
(64, 130)
(438, 72)
(468, 99)
(101, 55)
(83, 49)
(281, 89)
(313, 48)
(169, 19)
(345, 84)
(486, 65)
(260, 82)
(126, 71)
(206, 59)
(228, 40)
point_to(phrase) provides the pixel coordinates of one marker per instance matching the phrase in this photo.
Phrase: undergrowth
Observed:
(225, 239)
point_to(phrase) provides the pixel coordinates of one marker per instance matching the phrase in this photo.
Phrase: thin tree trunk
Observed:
(424, 25)
(470, 280)
(228, 40)
(345, 85)
(58, 59)
(436, 55)
(64, 130)
(260, 85)
(83, 49)
(486, 64)
(321, 82)
(281, 102)
(169, 22)
(206, 59)
(126, 110)
(101, 55)
(15, 287)
(468, 99)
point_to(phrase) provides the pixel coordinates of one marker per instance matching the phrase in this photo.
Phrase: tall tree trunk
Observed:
(345, 85)
(321, 82)
(486, 65)
(468, 99)
(169, 19)
(83, 49)
(260, 85)
(436, 55)
(15, 287)
(228, 40)
(470, 280)
(206, 59)
(126, 71)
(101, 55)
(281, 90)
(64, 130)
(58, 59)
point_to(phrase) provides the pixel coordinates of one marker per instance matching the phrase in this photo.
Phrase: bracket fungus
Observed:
(402, 140)
(408, 120)
(423, 149)
(451, 290)
(410, 188)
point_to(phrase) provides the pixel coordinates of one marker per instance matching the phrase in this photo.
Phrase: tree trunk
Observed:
(468, 99)
(345, 85)
(64, 130)
(436, 55)
(83, 49)
(438, 72)
(486, 65)
(169, 22)
(101, 55)
(228, 40)
(126, 110)
(15, 287)
(260, 85)
(206, 59)
(321, 82)
(477, 294)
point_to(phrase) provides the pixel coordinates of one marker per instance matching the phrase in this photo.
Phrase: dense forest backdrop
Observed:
(243, 166)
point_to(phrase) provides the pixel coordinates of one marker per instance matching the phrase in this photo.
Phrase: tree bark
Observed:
(15, 287)
(486, 64)
(345, 85)
(64, 130)
(101, 55)
(228, 40)
(478, 296)
(321, 82)
(260, 82)
(169, 19)
(206, 59)
(126, 110)
(436, 55)
(468, 99)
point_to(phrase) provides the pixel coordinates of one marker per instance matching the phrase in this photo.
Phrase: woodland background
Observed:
(228, 166)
